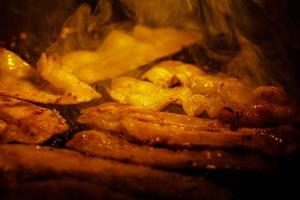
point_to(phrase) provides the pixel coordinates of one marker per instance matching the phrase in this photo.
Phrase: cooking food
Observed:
(27, 123)
(41, 162)
(61, 189)
(169, 129)
(169, 73)
(143, 94)
(107, 145)
(158, 120)
(51, 70)
(258, 115)
(20, 80)
(173, 73)
(200, 94)
(122, 52)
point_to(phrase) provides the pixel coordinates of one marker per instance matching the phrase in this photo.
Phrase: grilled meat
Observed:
(2, 125)
(146, 44)
(198, 93)
(20, 80)
(169, 73)
(109, 116)
(204, 95)
(43, 162)
(270, 107)
(143, 94)
(147, 95)
(228, 89)
(152, 127)
(61, 189)
(106, 145)
(51, 69)
(270, 95)
(258, 115)
(28, 123)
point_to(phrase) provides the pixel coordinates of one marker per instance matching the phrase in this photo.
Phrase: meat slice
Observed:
(229, 89)
(48, 163)
(146, 95)
(104, 144)
(52, 70)
(112, 116)
(169, 73)
(270, 106)
(158, 128)
(258, 115)
(28, 123)
(61, 189)
(21, 81)
(132, 49)
(2, 125)
(270, 94)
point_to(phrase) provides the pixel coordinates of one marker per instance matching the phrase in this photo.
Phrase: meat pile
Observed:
(148, 128)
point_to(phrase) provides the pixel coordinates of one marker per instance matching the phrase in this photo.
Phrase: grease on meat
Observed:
(146, 95)
(28, 123)
(51, 69)
(122, 52)
(104, 144)
(44, 163)
(180, 131)
(20, 80)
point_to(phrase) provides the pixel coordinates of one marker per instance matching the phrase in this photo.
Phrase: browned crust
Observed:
(61, 189)
(104, 144)
(28, 123)
(179, 131)
(44, 162)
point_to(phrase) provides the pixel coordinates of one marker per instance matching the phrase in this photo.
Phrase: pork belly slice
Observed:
(180, 131)
(28, 123)
(169, 73)
(104, 144)
(122, 52)
(258, 115)
(61, 189)
(218, 98)
(143, 94)
(20, 163)
(22, 81)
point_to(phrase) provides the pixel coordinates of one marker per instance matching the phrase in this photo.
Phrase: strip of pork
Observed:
(128, 90)
(180, 131)
(114, 56)
(21, 81)
(28, 123)
(226, 99)
(104, 144)
(2, 125)
(169, 73)
(270, 106)
(61, 189)
(48, 163)
(258, 115)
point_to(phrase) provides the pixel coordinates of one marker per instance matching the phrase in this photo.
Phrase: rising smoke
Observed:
(237, 33)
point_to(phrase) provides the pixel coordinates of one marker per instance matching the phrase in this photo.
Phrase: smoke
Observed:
(179, 14)
(237, 33)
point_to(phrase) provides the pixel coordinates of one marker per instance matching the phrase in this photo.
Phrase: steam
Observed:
(179, 14)
(236, 33)
(84, 29)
